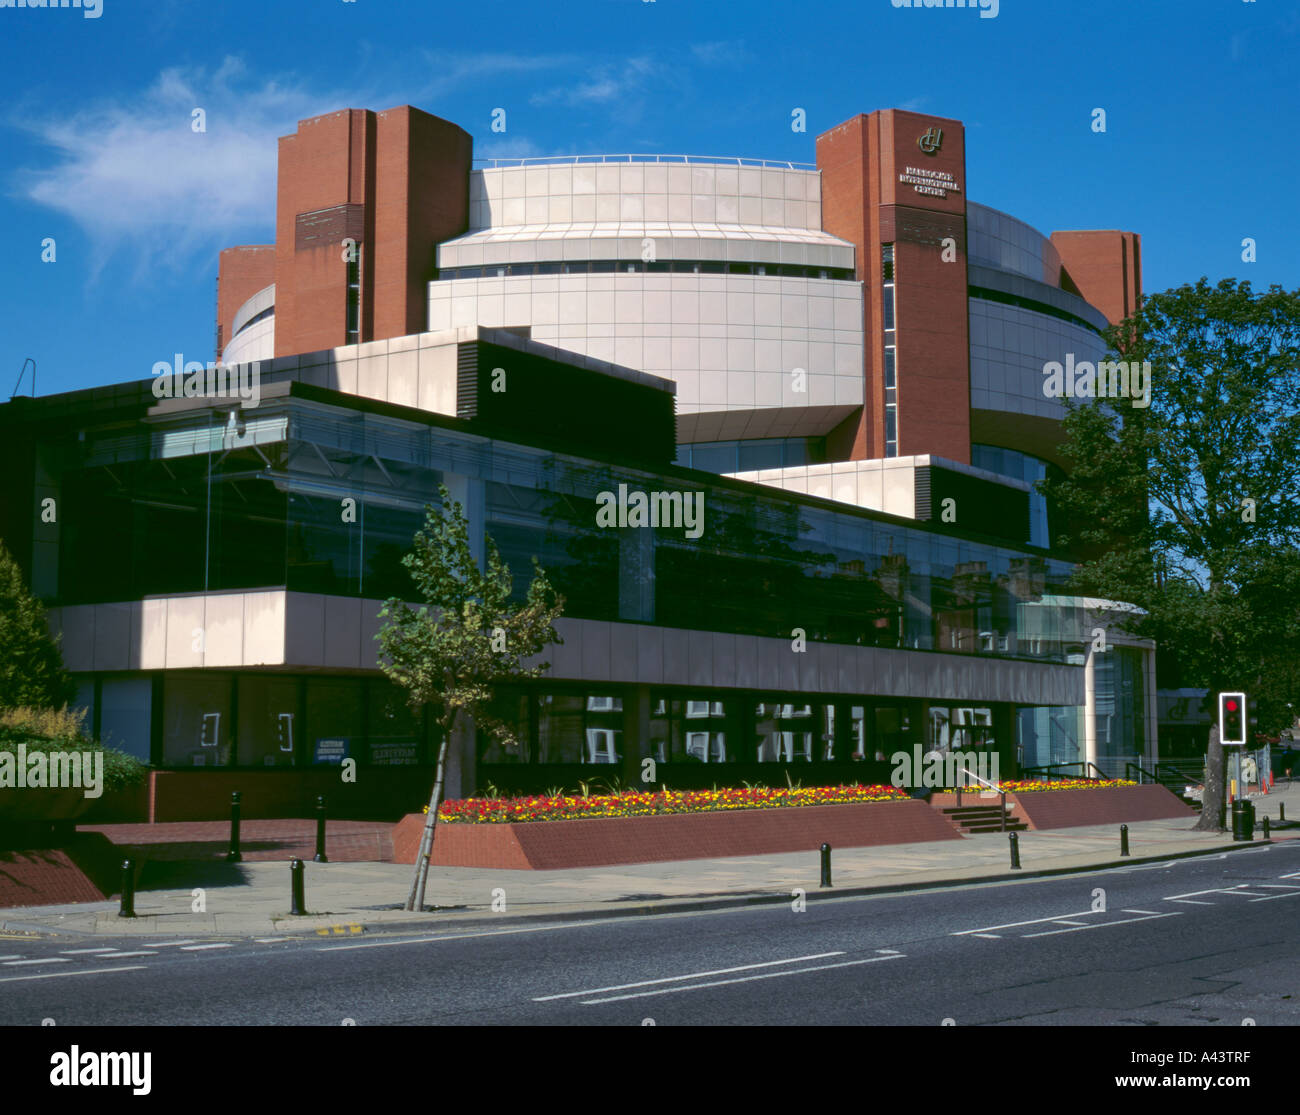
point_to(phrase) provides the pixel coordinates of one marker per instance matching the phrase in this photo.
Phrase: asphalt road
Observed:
(1209, 941)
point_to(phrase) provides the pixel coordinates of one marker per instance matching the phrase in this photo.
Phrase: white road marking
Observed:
(1102, 925)
(1190, 901)
(1063, 921)
(271, 940)
(12, 956)
(692, 975)
(83, 952)
(1031, 921)
(196, 948)
(1128, 911)
(174, 944)
(888, 951)
(990, 936)
(86, 972)
(454, 937)
(1270, 897)
(1194, 893)
(115, 956)
(42, 960)
(741, 979)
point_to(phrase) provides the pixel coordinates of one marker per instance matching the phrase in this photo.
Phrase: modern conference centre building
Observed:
(839, 364)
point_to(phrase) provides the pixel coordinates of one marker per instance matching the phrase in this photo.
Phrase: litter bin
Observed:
(1243, 820)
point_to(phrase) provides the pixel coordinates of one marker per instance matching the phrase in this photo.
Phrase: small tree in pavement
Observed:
(464, 640)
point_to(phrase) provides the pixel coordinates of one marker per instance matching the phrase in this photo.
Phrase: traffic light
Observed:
(1232, 719)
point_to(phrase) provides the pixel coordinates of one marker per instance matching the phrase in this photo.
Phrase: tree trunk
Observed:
(415, 899)
(1212, 800)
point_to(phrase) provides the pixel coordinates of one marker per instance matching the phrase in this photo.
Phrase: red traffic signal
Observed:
(1232, 719)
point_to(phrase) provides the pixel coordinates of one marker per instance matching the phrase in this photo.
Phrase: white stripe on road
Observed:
(988, 936)
(1032, 921)
(692, 975)
(42, 960)
(1102, 925)
(83, 952)
(174, 944)
(741, 979)
(196, 948)
(12, 956)
(87, 972)
(1269, 897)
(459, 936)
(1066, 921)
(1190, 901)
(116, 955)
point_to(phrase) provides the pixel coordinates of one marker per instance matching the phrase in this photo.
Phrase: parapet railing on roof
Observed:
(574, 160)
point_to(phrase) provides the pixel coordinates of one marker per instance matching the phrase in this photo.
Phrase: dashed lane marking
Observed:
(692, 975)
(83, 952)
(84, 972)
(1014, 924)
(118, 955)
(197, 948)
(1102, 925)
(741, 979)
(42, 960)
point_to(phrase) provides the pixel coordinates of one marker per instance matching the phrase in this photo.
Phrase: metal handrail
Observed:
(579, 160)
(1142, 772)
(1000, 791)
(1050, 769)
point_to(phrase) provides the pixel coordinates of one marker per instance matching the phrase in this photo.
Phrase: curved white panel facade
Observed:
(252, 330)
(732, 341)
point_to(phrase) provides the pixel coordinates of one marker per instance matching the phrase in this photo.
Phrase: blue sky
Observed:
(96, 148)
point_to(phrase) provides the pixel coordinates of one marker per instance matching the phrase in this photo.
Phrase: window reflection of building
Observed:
(783, 733)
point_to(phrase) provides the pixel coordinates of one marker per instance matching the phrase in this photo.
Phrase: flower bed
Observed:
(660, 803)
(1014, 787)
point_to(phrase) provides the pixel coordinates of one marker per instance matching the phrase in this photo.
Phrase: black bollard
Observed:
(1123, 840)
(320, 830)
(127, 909)
(233, 855)
(298, 904)
(1266, 828)
(1015, 851)
(826, 865)
(1281, 811)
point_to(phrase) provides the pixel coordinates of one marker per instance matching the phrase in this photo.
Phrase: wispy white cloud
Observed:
(137, 178)
(607, 83)
(136, 174)
(724, 53)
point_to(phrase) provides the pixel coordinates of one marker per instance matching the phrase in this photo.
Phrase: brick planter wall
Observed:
(1058, 809)
(86, 868)
(601, 842)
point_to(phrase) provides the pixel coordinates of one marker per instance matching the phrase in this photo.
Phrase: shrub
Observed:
(62, 729)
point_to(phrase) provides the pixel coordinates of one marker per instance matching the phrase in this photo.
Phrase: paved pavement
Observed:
(252, 898)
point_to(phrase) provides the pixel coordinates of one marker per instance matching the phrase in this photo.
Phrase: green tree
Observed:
(1188, 507)
(31, 667)
(463, 641)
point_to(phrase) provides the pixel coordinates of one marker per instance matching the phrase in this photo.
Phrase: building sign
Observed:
(394, 752)
(332, 750)
(931, 141)
(934, 183)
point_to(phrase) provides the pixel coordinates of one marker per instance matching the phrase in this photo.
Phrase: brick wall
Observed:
(242, 272)
(1106, 266)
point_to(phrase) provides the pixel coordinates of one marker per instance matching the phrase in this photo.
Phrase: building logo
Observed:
(930, 141)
